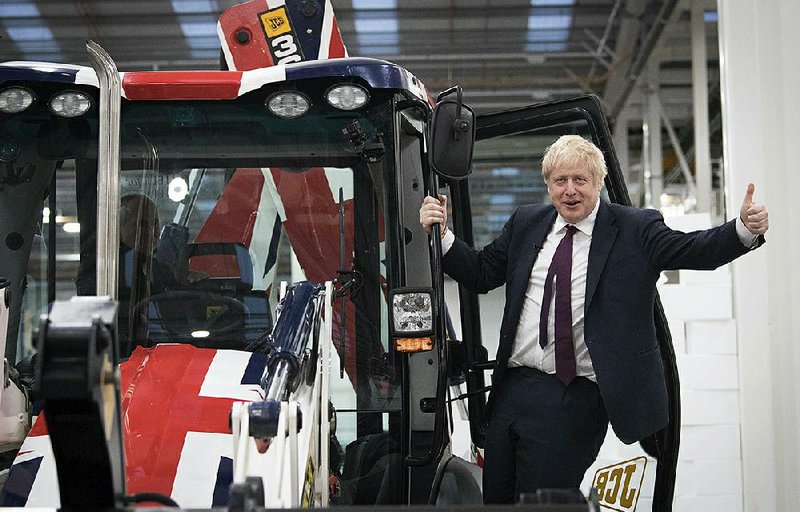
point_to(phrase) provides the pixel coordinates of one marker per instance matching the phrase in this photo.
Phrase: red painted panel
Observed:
(160, 389)
(243, 17)
(337, 45)
(231, 220)
(177, 85)
(160, 404)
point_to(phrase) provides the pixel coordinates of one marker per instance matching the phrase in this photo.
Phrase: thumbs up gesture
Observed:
(754, 216)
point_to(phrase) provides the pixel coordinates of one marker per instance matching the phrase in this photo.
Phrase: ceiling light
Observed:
(72, 227)
(178, 189)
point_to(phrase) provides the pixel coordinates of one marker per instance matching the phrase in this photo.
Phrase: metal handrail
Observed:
(108, 168)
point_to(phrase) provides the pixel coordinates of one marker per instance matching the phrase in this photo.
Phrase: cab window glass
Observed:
(54, 251)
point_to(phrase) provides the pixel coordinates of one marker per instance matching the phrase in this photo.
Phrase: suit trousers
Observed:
(541, 434)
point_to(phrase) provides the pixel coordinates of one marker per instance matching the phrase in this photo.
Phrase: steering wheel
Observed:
(181, 312)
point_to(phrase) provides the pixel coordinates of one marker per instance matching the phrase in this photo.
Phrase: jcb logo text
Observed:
(618, 486)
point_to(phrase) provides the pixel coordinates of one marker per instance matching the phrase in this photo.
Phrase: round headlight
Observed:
(288, 105)
(15, 99)
(70, 104)
(347, 96)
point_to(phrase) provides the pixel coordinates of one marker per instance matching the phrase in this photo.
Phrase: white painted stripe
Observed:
(338, 177)
(325, 35)
(269, 207)
(415, 85)
(87, 76)
(224, 375)
(225, 48)
(196, 474)
(269, 186)
(4, 316)
(272, 4)
(423, 89)
(252, 80)
(122, 88)
(44, 492)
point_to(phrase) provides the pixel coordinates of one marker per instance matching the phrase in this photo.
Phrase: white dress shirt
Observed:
(526, 350)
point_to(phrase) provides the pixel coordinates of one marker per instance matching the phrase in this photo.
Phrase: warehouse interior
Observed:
(701, 100)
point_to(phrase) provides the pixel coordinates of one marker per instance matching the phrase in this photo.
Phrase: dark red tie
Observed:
(561, 269)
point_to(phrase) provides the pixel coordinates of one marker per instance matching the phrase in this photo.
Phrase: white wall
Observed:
(761, 115)
(699, 309)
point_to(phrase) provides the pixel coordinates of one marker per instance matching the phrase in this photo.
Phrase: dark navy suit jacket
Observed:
(629, 249)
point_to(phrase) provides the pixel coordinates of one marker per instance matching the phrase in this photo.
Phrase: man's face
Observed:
(574, 192)
(138, 225)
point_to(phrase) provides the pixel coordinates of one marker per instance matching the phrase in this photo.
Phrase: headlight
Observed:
(347, 96)
(15, 99)
(412, 319)
(70, 104)
(288, 105)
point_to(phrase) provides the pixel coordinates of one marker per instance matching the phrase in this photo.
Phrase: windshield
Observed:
(222, 201)
(204, 248)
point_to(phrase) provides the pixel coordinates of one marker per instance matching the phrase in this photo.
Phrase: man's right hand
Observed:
(754, 216)
(434, 211)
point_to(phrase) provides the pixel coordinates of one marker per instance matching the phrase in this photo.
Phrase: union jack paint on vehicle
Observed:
(264, 33)
(175, 400)
(221, 85)
(243, 196)
(255, 208)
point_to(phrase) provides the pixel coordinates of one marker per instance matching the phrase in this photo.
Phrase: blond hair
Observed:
(573, 150)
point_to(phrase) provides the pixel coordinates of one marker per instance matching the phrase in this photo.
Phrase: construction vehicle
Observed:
(197, 194)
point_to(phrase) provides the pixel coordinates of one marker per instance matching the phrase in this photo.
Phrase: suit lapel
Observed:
(603, 236)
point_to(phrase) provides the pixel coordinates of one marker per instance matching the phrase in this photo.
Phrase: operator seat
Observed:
(457, 482)
(229, 268)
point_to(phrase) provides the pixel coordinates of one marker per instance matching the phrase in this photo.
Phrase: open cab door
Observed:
(509, 148)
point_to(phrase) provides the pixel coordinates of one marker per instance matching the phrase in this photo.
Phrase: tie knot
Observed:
(571, 229)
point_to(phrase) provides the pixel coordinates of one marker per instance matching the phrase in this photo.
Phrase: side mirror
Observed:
(452, 136)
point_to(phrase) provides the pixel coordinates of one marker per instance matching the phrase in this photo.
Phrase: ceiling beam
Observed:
(634, 46)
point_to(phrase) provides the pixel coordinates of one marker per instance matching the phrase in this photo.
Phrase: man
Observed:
(140, 275)
(577, 354)
(138, 235)
(139, 227)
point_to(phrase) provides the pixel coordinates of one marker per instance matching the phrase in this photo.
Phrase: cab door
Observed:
(506, 174)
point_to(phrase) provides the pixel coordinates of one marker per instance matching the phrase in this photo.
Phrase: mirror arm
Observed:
(460, 127)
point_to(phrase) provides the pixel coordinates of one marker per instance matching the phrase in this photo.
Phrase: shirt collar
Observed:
(585, 226)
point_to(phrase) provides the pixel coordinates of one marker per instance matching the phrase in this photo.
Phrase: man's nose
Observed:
(570, 187)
